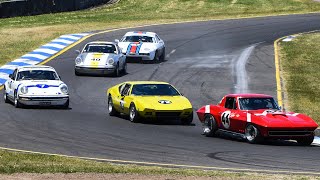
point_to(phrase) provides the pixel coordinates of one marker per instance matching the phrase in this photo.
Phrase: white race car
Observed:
(36, 85)
(101, 58)
(142, 46)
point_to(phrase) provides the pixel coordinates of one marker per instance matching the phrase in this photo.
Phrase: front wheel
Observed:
(66, 105)
(17, 104)
(209, 126)
(76, 73)
(156, 57)
(252, 134)
(306, 141)
(133, 114)
(188, 120)
(163, 55)
(124, 69)
(116, 72)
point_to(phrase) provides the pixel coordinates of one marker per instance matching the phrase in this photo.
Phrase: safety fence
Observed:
(35, 7)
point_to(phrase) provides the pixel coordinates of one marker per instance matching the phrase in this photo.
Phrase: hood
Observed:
(95, 59)
(43, 87)
(284, 119)
(164, 102)
(137, 47)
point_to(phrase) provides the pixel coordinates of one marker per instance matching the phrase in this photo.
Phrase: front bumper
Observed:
(140, 56)
(99, 70)
(43, 100)
(283, 133)
(166, 115)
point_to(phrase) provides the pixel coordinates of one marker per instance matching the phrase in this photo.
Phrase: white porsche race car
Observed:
(142, 46)
(101, 58)
(36, 85)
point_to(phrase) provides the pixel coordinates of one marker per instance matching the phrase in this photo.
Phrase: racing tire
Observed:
(66, 105)
(16, 102)
(116, 72)
(306, 141)
(156, 57)
(77, 73)
(133, 114)
(124, 68)
(111, 110)
(188, 120)
(252, 134)
(163, 55)
(210, 126)
(5, 96)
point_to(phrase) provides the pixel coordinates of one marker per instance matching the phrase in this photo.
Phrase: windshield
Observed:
(154, 90)
(100, 48)
(257, 103)
(37, 75)
(137, 39)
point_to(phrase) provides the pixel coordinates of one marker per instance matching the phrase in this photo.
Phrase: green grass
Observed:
(12, 162)
(301, 71)
(23, 34)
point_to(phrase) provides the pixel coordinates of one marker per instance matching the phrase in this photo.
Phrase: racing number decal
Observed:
(95, 60)
(225, 119)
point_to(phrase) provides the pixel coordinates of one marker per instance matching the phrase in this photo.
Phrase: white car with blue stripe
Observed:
(140, 45)
(36, 85)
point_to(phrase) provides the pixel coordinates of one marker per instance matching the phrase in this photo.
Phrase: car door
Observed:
(228, 117)
(12, 84)
(124, 100)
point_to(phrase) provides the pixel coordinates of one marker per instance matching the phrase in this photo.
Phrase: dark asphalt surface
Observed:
(202, 68)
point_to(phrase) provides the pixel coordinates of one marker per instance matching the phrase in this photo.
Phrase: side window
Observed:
(126, 89)
(14, 74)
(230, 103)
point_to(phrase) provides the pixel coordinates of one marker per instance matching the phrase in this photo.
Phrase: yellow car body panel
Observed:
(149, 106)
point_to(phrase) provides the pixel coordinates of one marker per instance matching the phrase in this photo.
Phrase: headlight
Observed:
(110, 61)
(64, 89)
(78, 60)
(24, 90)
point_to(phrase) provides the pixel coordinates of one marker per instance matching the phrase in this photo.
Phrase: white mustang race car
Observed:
(101, 58)
(36, 85)
(142, 46)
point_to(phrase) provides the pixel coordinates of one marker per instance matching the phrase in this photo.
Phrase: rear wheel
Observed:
(5, 96)
(133, 114)
(209, 126)
(252, 134)
(306, 141)
(112, 111)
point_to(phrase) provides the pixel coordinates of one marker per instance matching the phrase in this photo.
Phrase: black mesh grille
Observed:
(290, 133)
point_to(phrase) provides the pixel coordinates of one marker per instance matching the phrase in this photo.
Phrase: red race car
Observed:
(256, 117)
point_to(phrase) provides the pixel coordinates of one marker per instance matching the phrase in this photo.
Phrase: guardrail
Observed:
(36, 7)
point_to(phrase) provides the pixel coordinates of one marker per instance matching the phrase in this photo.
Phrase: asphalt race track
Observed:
(205, 60)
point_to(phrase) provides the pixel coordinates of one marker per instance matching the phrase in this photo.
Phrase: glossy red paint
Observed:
(271, 123)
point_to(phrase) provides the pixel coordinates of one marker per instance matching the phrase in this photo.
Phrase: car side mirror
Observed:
(116, 41)
(77, 51)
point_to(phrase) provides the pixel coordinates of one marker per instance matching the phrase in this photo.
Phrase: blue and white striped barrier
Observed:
(39, 55)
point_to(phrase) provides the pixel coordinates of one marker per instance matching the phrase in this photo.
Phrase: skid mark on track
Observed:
(240, 70)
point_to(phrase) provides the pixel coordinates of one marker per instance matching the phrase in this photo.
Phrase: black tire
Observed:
(210, 126)
(124, 68)
(66, 105)
(16, 102)
(156, 57)
(112, 111)
(306, 141)
(77, 73)
(188, 120)
(252, 134)
(163, 55)
(133, 114)
(5, 96)
(116, 71)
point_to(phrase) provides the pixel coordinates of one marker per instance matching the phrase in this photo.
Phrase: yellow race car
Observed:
(149, 100)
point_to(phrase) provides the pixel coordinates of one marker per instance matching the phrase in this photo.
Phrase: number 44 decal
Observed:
(225, 119)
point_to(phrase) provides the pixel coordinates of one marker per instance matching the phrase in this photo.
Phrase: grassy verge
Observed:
(23, 34)
(301, 72)
(12, 162)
